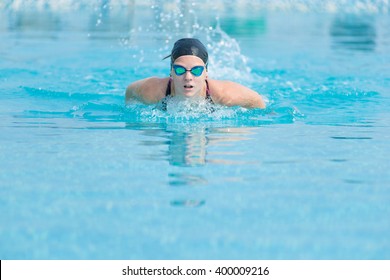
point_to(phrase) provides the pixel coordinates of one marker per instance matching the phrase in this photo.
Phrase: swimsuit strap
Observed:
(168, 90)
(208, 97)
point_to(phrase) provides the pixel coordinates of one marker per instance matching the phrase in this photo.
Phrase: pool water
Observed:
(83, 176)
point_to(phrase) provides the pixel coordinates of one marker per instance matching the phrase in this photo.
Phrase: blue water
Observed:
(83, 176)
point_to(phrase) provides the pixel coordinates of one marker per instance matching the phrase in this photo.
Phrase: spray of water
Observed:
(180, 19)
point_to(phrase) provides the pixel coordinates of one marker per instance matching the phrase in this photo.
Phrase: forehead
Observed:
(189, 60)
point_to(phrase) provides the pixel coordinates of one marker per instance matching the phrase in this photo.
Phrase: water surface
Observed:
(83, 176)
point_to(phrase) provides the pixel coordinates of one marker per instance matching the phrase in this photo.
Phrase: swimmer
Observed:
(189, 80)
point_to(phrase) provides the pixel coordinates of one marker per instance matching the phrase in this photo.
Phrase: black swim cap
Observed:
(188, 46)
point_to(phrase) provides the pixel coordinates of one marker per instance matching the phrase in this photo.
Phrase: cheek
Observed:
(176, 79)
(200, 82)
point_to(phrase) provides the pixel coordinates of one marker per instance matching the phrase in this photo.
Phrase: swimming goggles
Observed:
(180, 70)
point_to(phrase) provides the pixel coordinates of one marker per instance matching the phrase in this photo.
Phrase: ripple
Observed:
(350, 138)
(188, 203)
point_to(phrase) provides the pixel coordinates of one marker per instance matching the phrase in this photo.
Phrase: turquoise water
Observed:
(82, 176)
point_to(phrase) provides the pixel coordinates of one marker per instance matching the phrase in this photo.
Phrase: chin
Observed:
(188, 94)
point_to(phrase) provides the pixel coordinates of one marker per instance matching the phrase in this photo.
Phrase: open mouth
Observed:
(188, 86)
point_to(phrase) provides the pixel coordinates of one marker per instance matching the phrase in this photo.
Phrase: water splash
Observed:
(110, 108)
(226, 58)
(180, 20)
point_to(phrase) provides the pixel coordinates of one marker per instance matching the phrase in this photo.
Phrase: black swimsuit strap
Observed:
(208, 97)
(168, 90)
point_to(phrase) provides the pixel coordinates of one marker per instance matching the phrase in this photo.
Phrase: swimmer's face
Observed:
(188, 84)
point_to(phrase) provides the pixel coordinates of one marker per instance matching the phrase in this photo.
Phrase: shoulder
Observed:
(219, 85)
(149, 90)
(234, 94)
(222, 88)
(149, 84)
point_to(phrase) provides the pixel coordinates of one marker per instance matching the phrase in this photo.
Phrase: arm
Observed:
(147, 91)
(233, 94)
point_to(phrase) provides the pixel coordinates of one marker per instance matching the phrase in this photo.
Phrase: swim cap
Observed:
(188, 46)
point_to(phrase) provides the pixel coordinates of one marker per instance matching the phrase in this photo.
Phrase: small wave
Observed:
(64, 95)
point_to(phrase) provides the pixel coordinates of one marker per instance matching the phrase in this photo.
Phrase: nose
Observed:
(187, 76)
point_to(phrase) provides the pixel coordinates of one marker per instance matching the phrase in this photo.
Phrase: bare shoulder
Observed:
(229, 93)
(223, 88)
(149, 90)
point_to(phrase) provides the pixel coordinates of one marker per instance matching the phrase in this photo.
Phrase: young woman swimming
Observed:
(189, 80)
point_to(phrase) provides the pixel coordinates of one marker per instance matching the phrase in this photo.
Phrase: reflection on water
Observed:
(189, 145)
(187, 148)
(353, 33)
(186, 179)
(188, 203)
